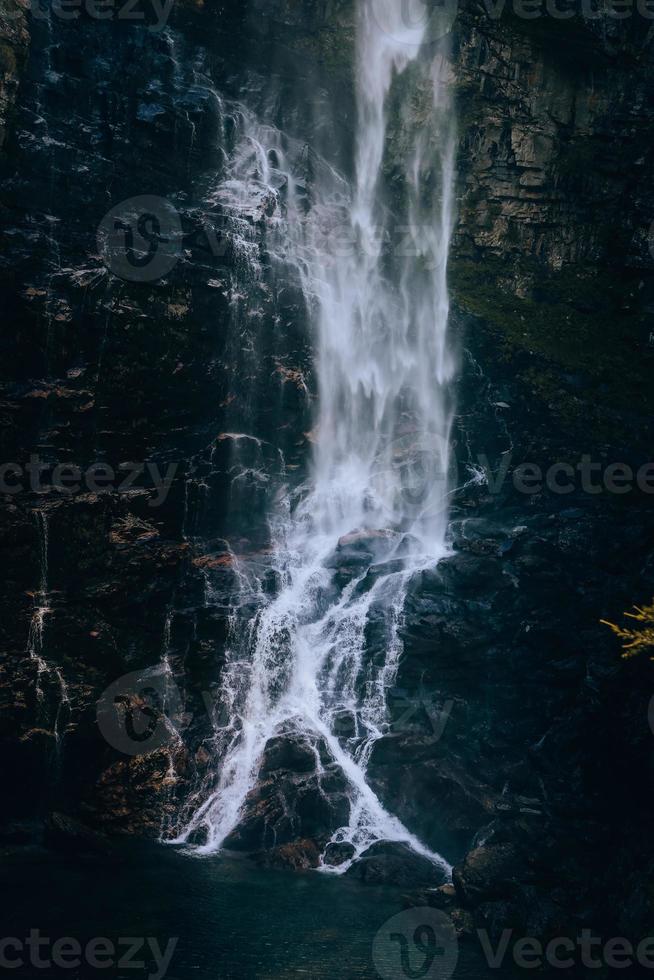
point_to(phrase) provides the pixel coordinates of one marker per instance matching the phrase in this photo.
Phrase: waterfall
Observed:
(376, 498)
(41, 608)
(35, 639)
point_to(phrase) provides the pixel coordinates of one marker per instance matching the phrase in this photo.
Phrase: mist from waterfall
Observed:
(376, 294)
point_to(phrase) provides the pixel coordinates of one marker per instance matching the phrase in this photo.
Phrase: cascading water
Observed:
(42, 608)
(376, 501)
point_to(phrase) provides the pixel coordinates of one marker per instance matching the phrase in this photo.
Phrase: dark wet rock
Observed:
(498, 916)
(393, 863)
(301, 855)
(444, 897)
(337, 853)
(359, 549)
(344, 725)
(17, 833)
(198, 837)
(64, 833)
(135, 795)
(464, 923)
(410, 778)
(462, 573)
(487, 872)
(487, 546)
(288, 804)
(364, 542)
(14, 44)
(288, 752)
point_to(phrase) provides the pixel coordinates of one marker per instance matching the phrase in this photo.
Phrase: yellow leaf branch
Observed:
(635, 641)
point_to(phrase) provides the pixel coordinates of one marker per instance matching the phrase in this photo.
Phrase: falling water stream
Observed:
(378, 485)
(35, 641)
(41, 608)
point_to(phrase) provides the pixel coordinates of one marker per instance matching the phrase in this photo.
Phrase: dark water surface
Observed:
(231, 919)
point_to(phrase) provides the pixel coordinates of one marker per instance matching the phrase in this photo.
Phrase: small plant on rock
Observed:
(641, 638)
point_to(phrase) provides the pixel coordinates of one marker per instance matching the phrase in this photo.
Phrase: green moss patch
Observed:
(589, 335)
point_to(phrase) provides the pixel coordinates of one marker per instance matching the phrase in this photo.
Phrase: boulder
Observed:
(358, 549)
(487, 873)
(300, 855)
(394, 863)
(288, 752)
(64, 833)
(337, 853)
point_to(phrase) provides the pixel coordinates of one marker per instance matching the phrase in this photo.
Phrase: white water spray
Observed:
(379, 483)
(42, 609)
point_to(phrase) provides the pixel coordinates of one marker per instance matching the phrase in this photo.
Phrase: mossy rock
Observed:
(580, 342)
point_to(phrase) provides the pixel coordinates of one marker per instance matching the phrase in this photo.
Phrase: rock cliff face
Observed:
(557, 169)
(528, 746)
(553, 244)
(14, 43)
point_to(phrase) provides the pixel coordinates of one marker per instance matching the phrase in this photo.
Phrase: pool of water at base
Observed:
(230, 919)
